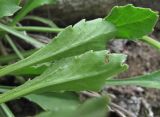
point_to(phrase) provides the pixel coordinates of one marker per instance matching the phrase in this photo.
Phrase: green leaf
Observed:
(96, 107)
(34, 70)
(150, 80)
(132, 22)
(55, 101)
(82, 37)
(29, 6)
(17, 1)
(55, 114)
(84, 72)
(8, 7)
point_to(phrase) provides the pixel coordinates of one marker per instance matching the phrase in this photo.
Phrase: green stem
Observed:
(38, 29)
(6, 110)
(5, 88)
(21, 36)
(14, 57)
(14, 47)
(42, 20)
(151, 42)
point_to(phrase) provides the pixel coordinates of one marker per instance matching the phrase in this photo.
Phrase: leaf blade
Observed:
(75, 40)
(150, 80)
(85, 69)
(132, 22)
(8, 7)
(96, 107)
(55, 101)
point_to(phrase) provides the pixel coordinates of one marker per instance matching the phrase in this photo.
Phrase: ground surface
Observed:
(141, 59)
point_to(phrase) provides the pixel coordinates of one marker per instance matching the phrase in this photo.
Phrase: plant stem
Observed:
(42, 20)
(38, 29)
(6, 110)
(3, 49)
(13, 57)
(22, 36)
(154, 43)
(14, 47)
(5, 88)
